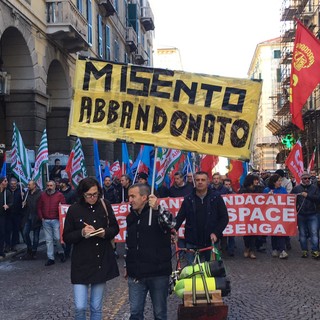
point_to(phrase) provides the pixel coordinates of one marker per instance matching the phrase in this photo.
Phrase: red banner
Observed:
(249, 214)
(261, 214)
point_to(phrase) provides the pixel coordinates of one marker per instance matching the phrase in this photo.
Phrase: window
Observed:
(116, 51)
(125, 9)
(278, 75)
(108, 43)
(116, 5)
(89, 19)
(276, 54)
(99, 31)
(126, 58)
(79, 5)
(149, 56)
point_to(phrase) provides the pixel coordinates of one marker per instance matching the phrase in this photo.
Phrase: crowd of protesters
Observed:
(24, 212)
(20, 217)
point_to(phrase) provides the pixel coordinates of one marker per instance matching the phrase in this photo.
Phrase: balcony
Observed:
(270, 140)
(293, 8)
(141, 55)
(288, 36)
(146, 18)
(66, 25)
(284, 110)
(287, 58)
(131, 39)
(274, 126)
(107, 7)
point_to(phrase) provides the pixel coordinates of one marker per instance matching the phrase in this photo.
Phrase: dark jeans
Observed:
(26, 236)
(13, 222)
(158, 289)
(2, 232)
(278, 243)
(250, 242)
(231, 244)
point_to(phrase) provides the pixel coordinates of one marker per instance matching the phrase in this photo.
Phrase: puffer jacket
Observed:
(48, 205)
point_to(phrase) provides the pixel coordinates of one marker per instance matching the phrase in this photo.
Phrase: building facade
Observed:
(264, 66)
(39, 45)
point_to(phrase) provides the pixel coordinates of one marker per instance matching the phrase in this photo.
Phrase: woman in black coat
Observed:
(93, 260)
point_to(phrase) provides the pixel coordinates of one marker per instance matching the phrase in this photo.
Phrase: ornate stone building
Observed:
(39, 44)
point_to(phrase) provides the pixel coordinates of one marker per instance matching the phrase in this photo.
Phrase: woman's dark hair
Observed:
(85, 184)
(248, 180)
(272, 180)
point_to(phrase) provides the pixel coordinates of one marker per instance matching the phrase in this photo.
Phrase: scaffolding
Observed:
(307, 11)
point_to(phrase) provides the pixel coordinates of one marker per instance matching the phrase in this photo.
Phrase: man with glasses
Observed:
(48, 212)
(308, 197)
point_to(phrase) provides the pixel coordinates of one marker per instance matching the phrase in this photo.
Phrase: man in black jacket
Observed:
(31, 221)
(148, 259)
(307, 199)
(109, 191)
(206, 216)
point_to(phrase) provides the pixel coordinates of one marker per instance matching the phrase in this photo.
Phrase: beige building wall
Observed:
(168, 58)
(264, 66)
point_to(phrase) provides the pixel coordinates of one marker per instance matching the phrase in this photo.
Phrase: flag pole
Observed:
(135, 175)
(189, 165)
(153, 180)
(47, 168)
(100, 175)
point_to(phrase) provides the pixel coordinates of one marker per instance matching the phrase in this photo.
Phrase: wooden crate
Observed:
(215, 295)
(216, 310)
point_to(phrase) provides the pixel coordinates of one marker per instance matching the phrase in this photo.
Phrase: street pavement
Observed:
(265, 288)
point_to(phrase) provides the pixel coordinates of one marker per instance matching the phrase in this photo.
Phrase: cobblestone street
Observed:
(265, 288)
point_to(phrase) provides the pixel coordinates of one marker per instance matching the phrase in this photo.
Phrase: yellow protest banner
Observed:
(172, 109)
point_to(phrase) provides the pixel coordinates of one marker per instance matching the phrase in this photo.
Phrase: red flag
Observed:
(176, 167)
(305, 73)
(294, 162)
(76, 168)
(235, 173)
(311, 163)
(115, 169)
(68, 168)
(208, 163)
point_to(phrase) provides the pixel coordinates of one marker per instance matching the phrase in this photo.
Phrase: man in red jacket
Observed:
(48, 212)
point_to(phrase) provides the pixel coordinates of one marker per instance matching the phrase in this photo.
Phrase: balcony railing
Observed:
(147, 18)
(267, 140)
(107, 7)
(141, 55)
(131, 39)
(66, 25)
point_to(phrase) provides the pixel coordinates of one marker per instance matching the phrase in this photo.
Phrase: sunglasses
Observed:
(305, 178)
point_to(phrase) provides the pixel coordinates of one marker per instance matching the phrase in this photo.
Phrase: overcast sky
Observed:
(215, 37)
